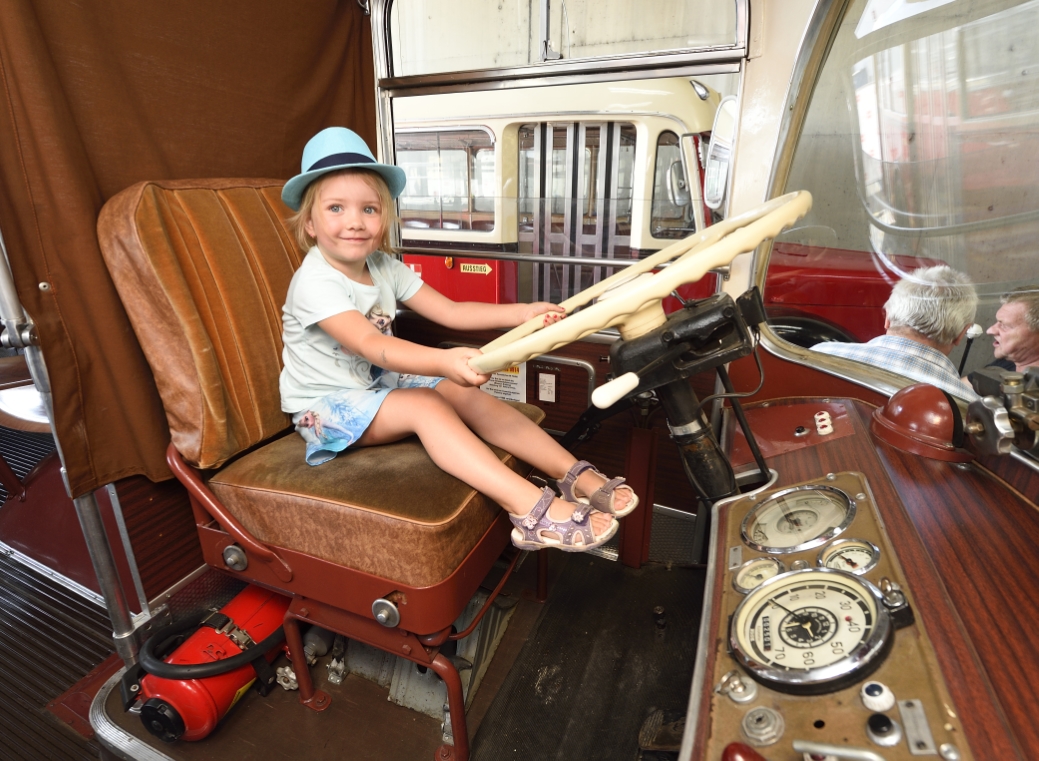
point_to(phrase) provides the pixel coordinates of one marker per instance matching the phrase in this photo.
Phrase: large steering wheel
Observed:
(631, 298)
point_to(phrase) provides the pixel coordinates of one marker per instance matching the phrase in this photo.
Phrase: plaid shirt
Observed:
(904, 357)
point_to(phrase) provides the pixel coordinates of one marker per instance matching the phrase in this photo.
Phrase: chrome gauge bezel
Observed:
(830, 549)
(815, 541)
(855, 665)
(754, 561)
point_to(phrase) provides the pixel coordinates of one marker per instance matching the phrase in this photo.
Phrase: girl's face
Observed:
(346, 222)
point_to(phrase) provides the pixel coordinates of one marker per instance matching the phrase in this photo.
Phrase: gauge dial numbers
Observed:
(797, 519)
(754, 572)
(811, 631)
(855, 556)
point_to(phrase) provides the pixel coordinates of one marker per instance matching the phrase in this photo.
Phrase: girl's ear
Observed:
(308, 224)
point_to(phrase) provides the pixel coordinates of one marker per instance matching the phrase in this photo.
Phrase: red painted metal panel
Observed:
(846, 287)
(461, 279)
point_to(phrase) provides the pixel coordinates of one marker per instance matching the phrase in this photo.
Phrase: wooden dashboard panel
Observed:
(966, 545)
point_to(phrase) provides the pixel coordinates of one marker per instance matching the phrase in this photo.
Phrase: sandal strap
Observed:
(537, 520)
(567, 482)
(602, 498)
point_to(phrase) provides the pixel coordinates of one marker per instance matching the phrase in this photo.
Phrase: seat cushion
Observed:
(387, 510)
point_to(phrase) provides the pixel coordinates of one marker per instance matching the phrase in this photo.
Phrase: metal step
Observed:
(50, 638)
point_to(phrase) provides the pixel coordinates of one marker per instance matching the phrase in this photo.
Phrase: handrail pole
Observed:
(19, 331)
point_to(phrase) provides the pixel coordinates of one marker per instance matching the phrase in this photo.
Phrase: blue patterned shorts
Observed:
(336, 421)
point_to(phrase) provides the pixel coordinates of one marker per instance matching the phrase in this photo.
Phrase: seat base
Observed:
(423, 610)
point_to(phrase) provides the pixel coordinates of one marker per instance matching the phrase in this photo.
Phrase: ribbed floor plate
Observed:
(50, 638)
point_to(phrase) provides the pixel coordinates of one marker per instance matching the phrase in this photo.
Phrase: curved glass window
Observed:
(920, 147)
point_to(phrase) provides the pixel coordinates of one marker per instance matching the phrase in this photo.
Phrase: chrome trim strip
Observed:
(397, 90)
(674, 512)
(115, 739)
(706, 637)
(50, 573)
(873, 378)
(124, 535)
(164, 597)
(1024, 458)
(572, 67)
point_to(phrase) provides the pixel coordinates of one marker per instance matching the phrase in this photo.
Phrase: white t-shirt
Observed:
(315, 363)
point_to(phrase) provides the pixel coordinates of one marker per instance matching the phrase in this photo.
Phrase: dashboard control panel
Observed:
(818, 654)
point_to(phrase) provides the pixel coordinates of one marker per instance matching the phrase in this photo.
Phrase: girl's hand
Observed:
(553, 312)
(456, 367)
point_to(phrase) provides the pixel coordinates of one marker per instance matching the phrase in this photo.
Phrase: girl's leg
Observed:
(497, 423)
(460, 452)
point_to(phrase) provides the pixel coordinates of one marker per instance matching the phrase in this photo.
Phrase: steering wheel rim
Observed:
(693, 257)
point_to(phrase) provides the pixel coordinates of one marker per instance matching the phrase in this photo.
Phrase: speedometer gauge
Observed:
(797, 519)
(811, 631)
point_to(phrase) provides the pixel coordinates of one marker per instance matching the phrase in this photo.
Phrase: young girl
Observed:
(348, 381)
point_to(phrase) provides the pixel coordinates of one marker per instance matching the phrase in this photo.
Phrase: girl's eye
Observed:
(335, 208)
(370, 210)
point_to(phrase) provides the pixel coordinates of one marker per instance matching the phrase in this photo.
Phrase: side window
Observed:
(576, 182)
(672, 212)
(451, 183)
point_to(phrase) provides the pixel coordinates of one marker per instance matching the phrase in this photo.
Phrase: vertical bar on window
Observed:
(600, 198)
(569, 178)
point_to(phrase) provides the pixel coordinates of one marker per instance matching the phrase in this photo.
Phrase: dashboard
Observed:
(857, 606)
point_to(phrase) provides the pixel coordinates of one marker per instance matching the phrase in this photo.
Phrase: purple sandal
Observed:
(602, 498)
(572, 535)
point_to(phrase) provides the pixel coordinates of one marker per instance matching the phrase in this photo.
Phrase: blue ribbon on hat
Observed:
(341, 158)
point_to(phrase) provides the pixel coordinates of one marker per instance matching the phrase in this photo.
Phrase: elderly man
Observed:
(927, 314)
(1016, 332)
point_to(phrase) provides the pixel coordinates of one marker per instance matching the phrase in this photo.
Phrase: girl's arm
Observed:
(474, 315)
(353, 331)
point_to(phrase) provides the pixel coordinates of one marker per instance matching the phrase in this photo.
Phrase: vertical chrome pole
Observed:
(20, 332)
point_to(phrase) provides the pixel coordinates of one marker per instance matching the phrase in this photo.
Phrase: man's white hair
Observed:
(937, 302)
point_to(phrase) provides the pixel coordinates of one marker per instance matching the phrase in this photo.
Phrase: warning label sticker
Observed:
(509, 384)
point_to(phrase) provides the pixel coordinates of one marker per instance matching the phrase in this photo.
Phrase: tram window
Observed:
(451, 180)
(513, 32)
(938, 162)
(575, 199)
(671, 216)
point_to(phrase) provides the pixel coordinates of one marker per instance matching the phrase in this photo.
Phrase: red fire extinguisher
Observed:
(191, 690)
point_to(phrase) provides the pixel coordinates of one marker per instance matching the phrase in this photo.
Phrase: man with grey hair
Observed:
(927, 314)
(1016, 332)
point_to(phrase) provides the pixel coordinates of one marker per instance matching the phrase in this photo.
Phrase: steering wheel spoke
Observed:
(631, 299)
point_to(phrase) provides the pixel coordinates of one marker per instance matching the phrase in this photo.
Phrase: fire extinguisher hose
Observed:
(151, 663)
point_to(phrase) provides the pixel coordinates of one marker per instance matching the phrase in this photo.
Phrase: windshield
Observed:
(921, 149)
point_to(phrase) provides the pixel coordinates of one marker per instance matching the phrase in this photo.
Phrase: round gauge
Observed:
(755, 571)
(811, 631)
(797, 519)
(851, 555)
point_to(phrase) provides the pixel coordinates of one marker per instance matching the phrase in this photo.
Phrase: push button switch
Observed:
(883, 730)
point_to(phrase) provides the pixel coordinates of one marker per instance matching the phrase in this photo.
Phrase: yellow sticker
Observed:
(477, 269)
(238, 695)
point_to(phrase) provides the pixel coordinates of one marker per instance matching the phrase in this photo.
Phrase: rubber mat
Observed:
(597, 663)
(50, 638)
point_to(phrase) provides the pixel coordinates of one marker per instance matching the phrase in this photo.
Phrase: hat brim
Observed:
(292, 193)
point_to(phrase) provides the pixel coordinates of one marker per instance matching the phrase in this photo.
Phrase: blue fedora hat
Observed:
(332, 149)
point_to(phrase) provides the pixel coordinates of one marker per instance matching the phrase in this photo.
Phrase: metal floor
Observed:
(50, 638)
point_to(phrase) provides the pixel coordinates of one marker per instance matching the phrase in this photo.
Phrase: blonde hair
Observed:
(298, 221)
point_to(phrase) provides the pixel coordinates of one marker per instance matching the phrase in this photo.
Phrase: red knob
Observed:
(741, 752)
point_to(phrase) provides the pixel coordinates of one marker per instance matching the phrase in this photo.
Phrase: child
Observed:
(348, 381)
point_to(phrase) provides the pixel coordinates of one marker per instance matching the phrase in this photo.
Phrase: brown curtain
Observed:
(95, 96)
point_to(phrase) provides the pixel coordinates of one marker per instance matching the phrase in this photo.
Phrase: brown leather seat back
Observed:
(202, 267)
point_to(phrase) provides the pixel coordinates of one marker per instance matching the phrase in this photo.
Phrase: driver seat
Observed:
(202, 268)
